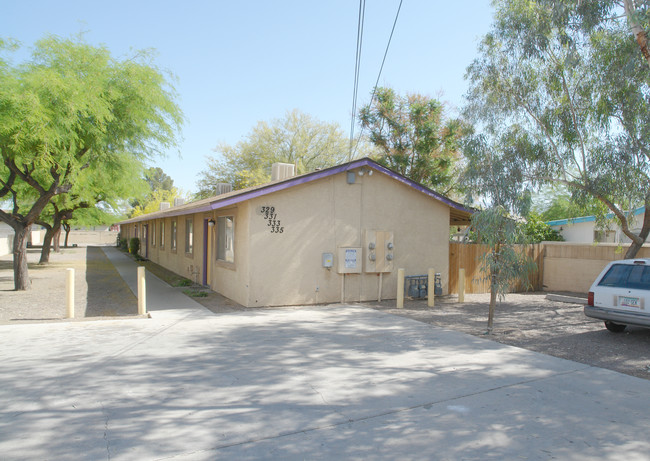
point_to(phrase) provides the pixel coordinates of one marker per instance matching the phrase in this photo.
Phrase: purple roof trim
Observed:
(303, 179)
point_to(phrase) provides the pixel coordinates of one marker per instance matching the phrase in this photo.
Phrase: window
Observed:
(226, 239)
(153, 234)
(162, 234)
(189, 235)
(627, 276)
(173, 244)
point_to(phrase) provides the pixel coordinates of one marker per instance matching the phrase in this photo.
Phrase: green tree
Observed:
(535, 230)
(70, 108)
(558, 203)
(160, 189)
(98, 187)
(153, 201)
(564, 105)
(414, 137)
(297, 138)
(502, 263)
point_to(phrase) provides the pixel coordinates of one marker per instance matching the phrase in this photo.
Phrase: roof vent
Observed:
(179, 201)
(280, 171)
(222, 188)
(164, 205)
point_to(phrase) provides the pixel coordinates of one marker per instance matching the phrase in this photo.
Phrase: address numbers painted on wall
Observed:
(272, 221)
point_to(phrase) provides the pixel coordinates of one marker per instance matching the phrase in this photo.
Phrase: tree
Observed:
(153, 201)
(158, 187)
(488, 176)
(98, 188)
(565, 105)
(502, 263)
(586, 16)
(414, 137)
(70, 108)
(535, 230)
(558, 203)
(298, 138)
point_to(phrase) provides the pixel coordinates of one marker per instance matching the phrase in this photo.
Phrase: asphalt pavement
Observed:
(324, 382)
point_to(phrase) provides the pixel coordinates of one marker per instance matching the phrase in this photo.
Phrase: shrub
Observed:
(134, 245)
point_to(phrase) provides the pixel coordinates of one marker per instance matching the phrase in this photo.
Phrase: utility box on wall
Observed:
(379, 246)
(349, 260)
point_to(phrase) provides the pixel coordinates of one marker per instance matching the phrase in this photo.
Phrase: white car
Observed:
(621, 295)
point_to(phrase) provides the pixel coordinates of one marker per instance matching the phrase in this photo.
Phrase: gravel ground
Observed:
(99, 290)
(529, 320)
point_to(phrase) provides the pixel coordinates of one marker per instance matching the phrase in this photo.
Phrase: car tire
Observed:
(614, 327)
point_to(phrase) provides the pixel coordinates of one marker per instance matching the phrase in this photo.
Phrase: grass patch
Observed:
(195, 293)
(183, 282)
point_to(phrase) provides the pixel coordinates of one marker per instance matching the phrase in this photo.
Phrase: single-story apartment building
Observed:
(585, 230)
(332, 235)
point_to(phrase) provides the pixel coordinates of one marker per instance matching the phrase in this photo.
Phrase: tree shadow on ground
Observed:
(108, 294)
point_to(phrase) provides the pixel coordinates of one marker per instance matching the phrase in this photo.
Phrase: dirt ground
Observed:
(529, 320)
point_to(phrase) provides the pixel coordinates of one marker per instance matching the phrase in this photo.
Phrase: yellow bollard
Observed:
(461, 285)
(400, 288)
(142, 292)
(431, 289)
(69, 293)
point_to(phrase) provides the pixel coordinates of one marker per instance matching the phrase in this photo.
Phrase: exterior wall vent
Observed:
(179, 201)
(223, 188)
(164, 205)
(280, 171)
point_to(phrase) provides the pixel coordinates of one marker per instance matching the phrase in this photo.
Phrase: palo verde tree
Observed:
(297, 138)
(99, 188)
(414, 137)
(72, 107)
(565, 104)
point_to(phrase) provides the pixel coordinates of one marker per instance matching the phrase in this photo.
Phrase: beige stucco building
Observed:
(338, 234)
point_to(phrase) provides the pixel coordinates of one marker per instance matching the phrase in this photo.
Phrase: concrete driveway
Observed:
(336, 382)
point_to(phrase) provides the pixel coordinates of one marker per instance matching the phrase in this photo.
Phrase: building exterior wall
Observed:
(278, 255)
(316, 218)
(232, 279)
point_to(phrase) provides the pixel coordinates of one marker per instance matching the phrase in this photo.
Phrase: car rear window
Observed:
(627, 276)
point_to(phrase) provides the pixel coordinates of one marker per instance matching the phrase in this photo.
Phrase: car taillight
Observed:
(590, 298)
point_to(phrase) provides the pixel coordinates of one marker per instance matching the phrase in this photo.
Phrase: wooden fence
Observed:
(468, 256)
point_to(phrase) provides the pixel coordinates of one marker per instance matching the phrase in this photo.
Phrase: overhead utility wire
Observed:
(357, 66)
(374, 90)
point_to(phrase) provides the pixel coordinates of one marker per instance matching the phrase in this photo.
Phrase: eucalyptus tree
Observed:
(565, 104)
(70, 107)
(414, 137)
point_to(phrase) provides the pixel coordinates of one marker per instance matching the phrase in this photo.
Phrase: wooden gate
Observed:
(468, 256)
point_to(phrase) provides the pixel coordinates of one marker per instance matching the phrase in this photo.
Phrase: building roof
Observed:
(564, 222)
(459, 215)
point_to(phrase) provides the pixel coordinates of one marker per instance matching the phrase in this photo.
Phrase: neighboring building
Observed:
(337, 234)
(584, 229)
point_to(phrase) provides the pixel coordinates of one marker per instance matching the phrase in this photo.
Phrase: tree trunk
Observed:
(636, 244)
(21, 274)
(493, 303)
(637, 30)
(47, 245)
(57, 238)
(67, 228)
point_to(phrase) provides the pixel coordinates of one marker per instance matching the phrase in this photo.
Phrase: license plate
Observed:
(627, 301)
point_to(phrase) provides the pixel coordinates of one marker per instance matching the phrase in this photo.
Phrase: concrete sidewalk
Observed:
(335, 382)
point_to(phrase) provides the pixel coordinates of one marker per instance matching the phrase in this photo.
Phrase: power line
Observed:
(374, 89)
(357, 66)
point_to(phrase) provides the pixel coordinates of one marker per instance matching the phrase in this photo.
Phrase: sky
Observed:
(237, 63)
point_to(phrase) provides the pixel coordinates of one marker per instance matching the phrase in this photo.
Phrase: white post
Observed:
(431, 289)
(461, 285)
(69, 293)
(142, 292)
(400, 288)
